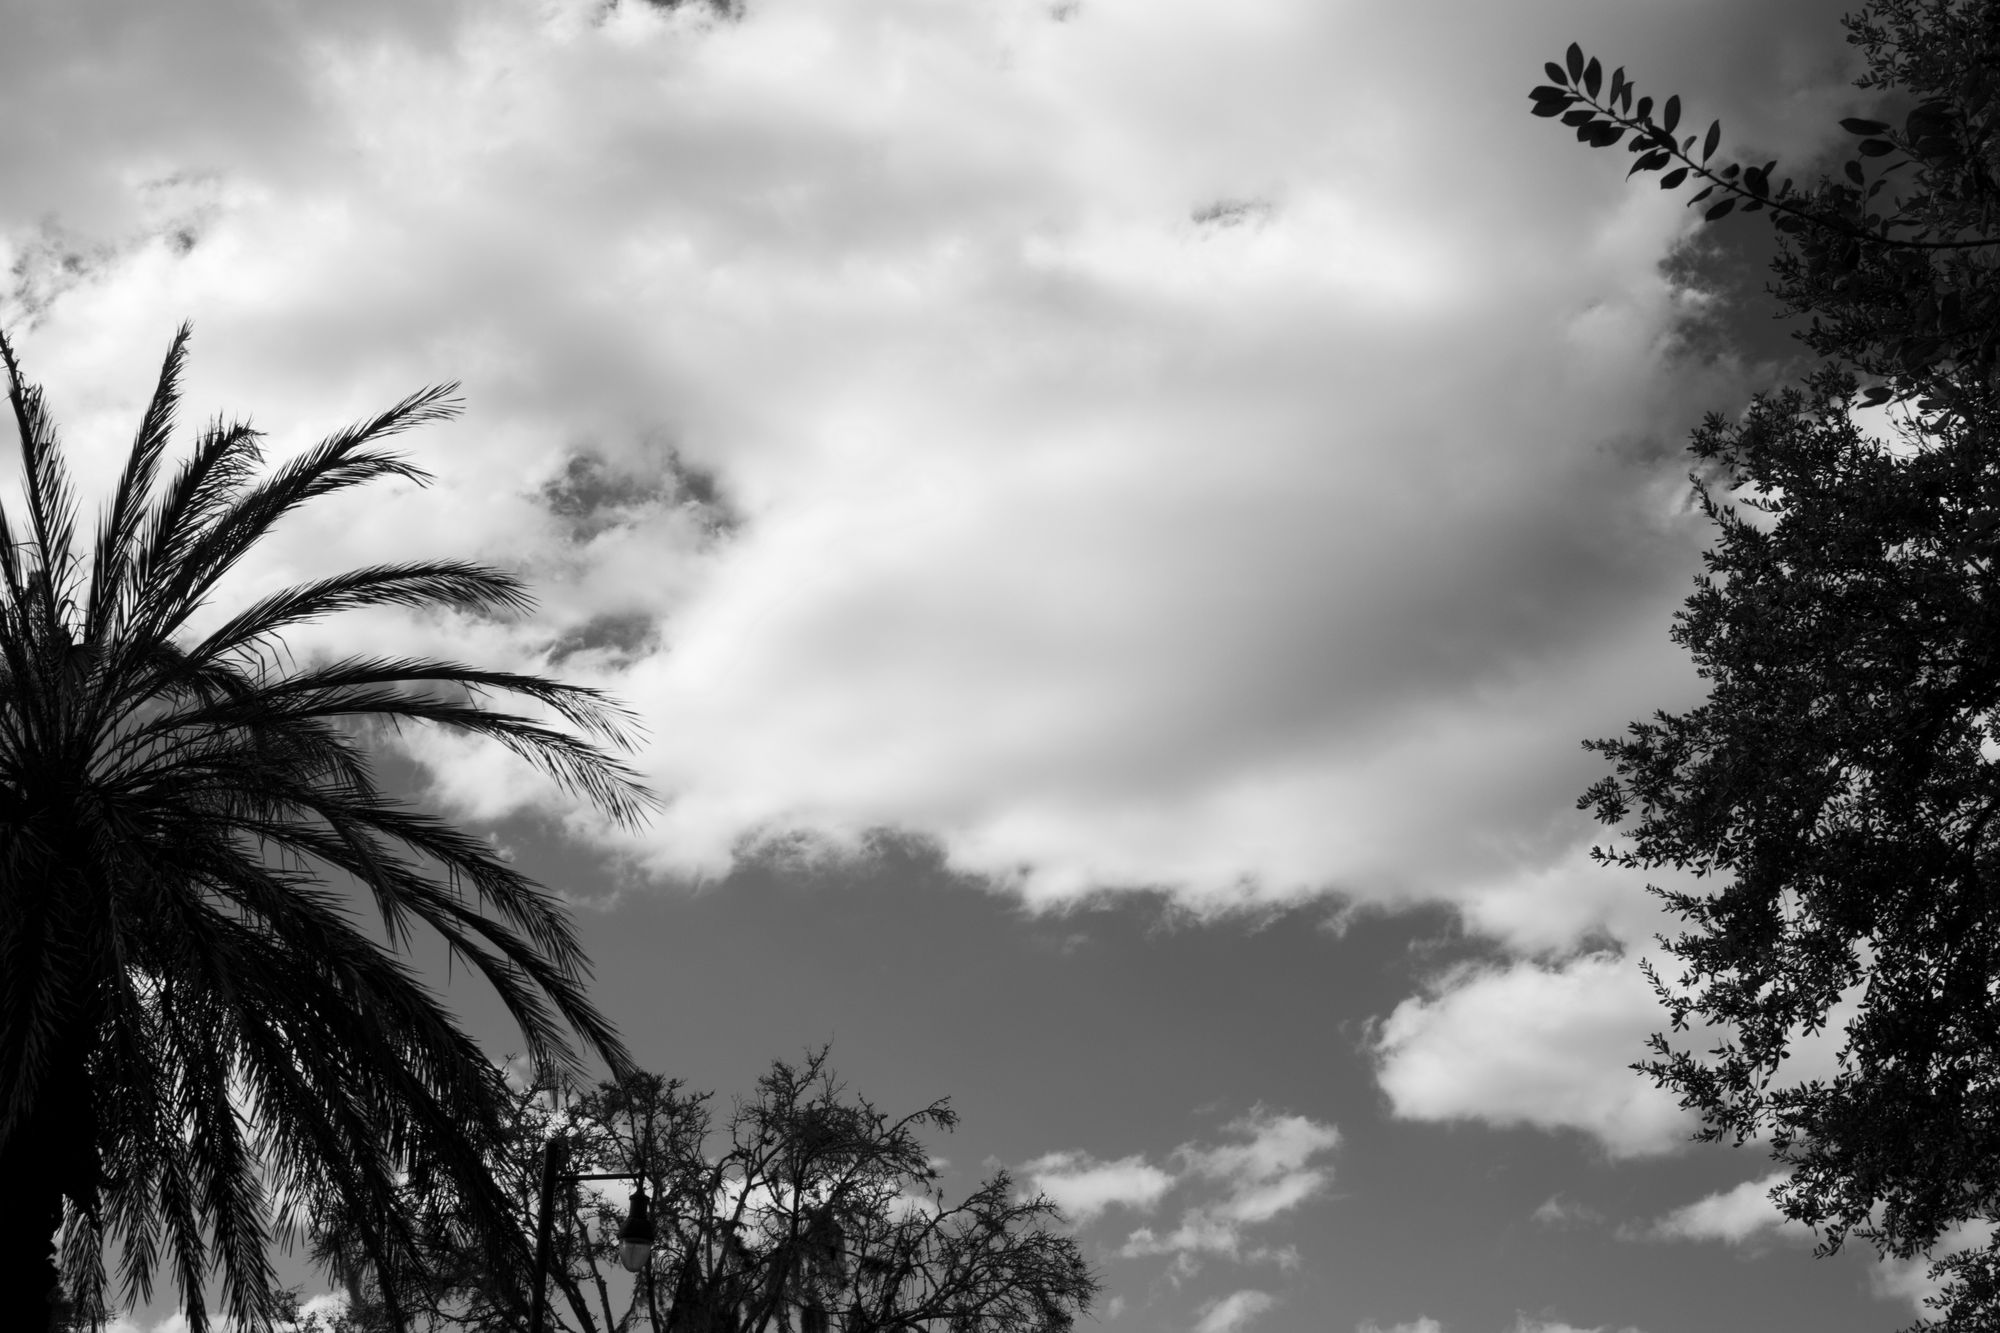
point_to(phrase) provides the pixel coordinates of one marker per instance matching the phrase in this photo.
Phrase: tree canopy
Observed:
(200, 1044)
(1835, 794)
(804, 1209)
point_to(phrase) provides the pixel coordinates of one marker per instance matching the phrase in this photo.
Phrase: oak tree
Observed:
(1835, 795)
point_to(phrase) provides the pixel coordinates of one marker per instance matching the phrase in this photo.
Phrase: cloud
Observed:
(1269, 1169)
(1738, 1215)
(1910, 1279)
(1559, 1211)
(1124, 487)
(1084, 1187)
(1268, 1164)
(1524, 1324)
(1421, 1324)
(1233, 1312)
(1528, 1044)
(327, 1306)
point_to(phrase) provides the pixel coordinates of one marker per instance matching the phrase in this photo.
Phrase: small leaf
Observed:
(1646, 109)
(1754, 180)
(1673, 178)
(1652, 161)
(1786, 188)
(1875, 148)
(1709, 141)
(1855, 125)
(1755, 205)
(1670, 115)
(1706, 191)
(1617, 83)
(1556, 72)
(1593, 77)
(1580, 116)
(1574, 59)
(1548, 108)
(1728, 173)
(1853, 172)
(1720, 210)
(1545, 93)
(1625, 99)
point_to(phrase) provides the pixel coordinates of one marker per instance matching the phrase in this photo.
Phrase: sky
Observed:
(1114, 517)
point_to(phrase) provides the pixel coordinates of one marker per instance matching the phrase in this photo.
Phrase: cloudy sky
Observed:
(1115, 515)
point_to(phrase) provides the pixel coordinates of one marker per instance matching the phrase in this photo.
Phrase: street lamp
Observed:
(635, 1238)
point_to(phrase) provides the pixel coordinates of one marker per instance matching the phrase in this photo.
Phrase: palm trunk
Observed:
(52, 1155)
(28, 1223)
(39, 1165)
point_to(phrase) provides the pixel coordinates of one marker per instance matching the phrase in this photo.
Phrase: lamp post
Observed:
(635, 1238)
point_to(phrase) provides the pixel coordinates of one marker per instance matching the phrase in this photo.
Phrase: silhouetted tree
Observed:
(1837, 791)
(193, 1026)
(806, 1210)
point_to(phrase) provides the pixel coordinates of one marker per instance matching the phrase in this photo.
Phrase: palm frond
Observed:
(190, 837)
(581, 706)
(224, 461)
(339, 462)
(453, 583)
(118, 533)
(51, 498)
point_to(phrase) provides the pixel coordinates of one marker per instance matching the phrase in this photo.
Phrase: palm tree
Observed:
(201, 1047)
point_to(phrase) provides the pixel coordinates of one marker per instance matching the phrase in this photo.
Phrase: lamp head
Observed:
(635, 1238)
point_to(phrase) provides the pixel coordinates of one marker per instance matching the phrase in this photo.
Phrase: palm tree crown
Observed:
(198, 1040)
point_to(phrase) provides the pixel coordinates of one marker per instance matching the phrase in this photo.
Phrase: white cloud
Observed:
(1084, 1187)
(1910, 1279)
(327, 1306)
(1267, 1165)
(1738, 1215)
(1233, 1312)
(1527, 1044)
(1524, 1324)
(1105, 545)
(1269, 1169)
(1421, 1324)
(1560, 1211)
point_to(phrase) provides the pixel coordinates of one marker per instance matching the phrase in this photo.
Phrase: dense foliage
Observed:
(199, 1041)
(1836, 793)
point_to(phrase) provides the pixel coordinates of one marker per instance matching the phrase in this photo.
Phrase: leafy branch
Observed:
(1573, 95)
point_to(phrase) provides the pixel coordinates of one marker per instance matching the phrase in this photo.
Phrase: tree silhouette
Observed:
(198, 1040)
(807, 1210)
(1835, 794)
